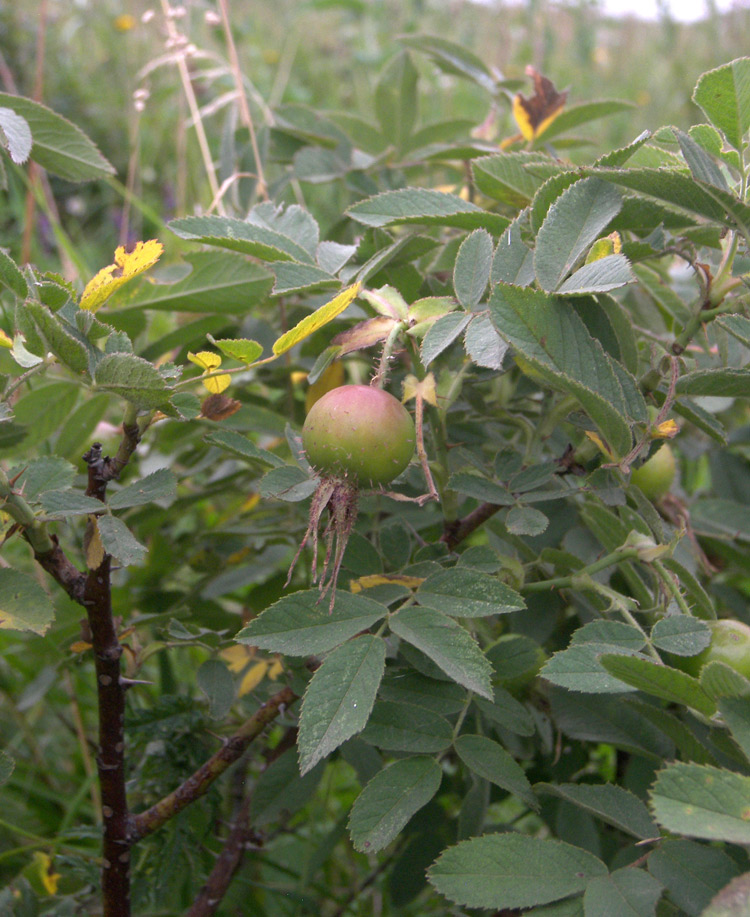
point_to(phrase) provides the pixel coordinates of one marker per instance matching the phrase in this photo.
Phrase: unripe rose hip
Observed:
(360, 433)
(656, 476)
(730, 644)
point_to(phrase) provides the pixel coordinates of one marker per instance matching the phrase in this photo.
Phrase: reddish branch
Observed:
(56, 563)
(92, 590)
(226, 865)
(455, 531)
(97, 600)
(240, 839)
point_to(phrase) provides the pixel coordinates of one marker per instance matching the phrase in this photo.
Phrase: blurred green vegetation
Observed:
(324, 53)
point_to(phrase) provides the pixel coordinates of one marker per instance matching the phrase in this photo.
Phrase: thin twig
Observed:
(355, 893)
(457, 529)
(227, 863)
(421, 451)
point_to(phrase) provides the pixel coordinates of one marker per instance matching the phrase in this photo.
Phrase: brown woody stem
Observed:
(456, 530)
(226, 865)
(63, 571)
(97, 600)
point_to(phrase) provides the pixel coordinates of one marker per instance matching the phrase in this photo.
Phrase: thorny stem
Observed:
(421, 451)
(700, 318)
(381, 376)
(241, 838)
(97, 600)
(624, 464)
(633, 621)
(92, 590)
(674, 590)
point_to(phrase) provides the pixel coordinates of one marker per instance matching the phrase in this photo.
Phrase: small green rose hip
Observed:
(656, 476)
(359, 433)
(730, 644)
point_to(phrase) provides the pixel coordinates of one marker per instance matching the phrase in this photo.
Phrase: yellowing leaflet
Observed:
(381, 579)
(310, 323)
(424, 389)
(126, 266)
(209, 362)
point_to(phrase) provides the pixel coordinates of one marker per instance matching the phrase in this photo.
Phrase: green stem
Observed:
(558, 413)
(223, 372)
(137, 202)
(462, 715)
(438, 426)
(390, 342)
(672, 586)
(691, 328)
(48, 845)
(17, 829)
(454, 389)
(633, 621)
(17, 383)
(34, 531)
(565, 582)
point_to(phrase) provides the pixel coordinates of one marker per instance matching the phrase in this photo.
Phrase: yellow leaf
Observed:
(276, 668)
(522, 118)
(594, 437)
(424, 389)
(217, 384)
(125, 22)
(80, 646)
(461, 191)
(666, 430)
(381, 579)
(127, 265)
(93, 547)
(534, 115)
(237, 657)
(609, 245)
(253, 677)
(43, 863)
(5, 341)
(332, 377)
(208, 362)
(252, 501)
(311, 323)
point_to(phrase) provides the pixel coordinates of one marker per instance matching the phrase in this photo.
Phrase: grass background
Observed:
(88, 59)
